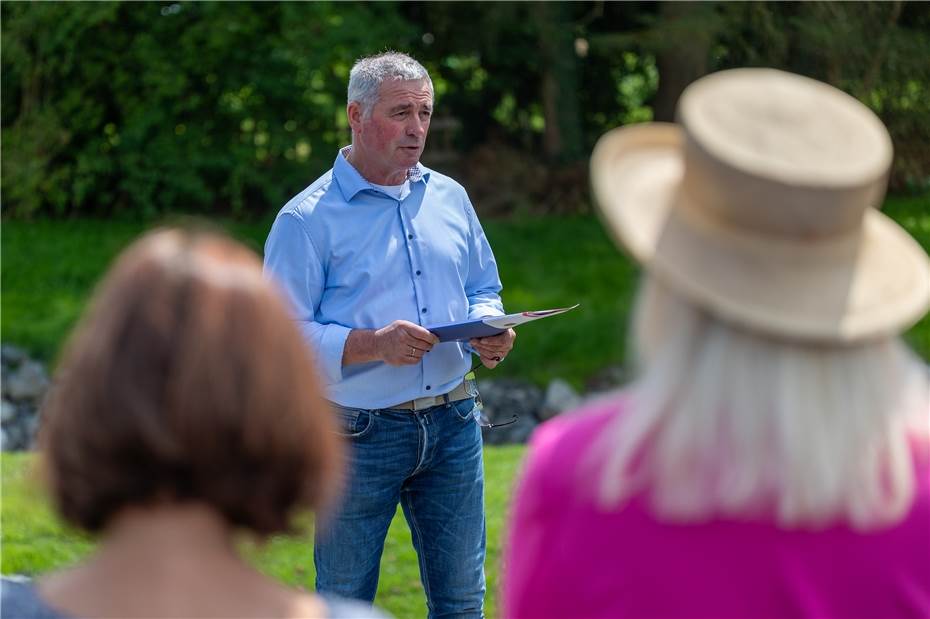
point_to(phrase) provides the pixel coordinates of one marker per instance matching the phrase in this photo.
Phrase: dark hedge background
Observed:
(140, 109)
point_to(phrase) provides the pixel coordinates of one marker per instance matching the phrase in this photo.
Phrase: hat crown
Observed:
(756, 208)
(781, 154)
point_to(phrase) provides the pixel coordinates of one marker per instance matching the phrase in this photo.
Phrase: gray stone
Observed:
(7, 412)
(13, 437)
(29, 382)
(503, 399)
(25, 383)
(11, 355)
(559, 397)
(30, 428)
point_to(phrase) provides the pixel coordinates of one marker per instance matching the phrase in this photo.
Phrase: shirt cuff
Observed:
(333, 345)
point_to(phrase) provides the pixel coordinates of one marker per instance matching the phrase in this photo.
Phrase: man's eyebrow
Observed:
(406, 106)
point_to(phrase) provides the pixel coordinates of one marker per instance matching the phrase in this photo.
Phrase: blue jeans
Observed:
(430, 461)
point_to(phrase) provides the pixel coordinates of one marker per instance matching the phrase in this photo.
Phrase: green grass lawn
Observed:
(34, 541)
(49, 268)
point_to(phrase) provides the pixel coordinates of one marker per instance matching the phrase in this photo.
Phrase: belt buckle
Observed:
(435, 400)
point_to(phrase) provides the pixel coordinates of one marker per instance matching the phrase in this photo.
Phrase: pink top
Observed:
(568, 559)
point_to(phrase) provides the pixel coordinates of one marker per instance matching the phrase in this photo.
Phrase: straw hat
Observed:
(758, 206)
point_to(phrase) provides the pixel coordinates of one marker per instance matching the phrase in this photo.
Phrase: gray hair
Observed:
(369, 73)
(723, 421)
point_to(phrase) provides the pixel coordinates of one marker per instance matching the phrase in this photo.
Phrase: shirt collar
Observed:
(351, 182)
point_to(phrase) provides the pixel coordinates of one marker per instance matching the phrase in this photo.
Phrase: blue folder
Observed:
(489, 325)
(464, 331)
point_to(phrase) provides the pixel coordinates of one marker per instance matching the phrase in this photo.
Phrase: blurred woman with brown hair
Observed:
(186, 408)
(771, 458)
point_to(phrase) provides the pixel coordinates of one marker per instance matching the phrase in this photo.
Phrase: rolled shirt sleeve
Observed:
(292, 261)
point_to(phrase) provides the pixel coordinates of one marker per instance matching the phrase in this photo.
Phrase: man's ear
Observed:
(354, 114)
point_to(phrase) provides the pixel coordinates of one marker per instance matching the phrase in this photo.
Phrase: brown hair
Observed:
(188, 380)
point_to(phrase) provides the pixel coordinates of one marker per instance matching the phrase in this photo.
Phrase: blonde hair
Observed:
(727, 422)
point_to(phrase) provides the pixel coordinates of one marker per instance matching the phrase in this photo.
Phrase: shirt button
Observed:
(428, 387)
(423, 310)
(418, 272)
(409, 236)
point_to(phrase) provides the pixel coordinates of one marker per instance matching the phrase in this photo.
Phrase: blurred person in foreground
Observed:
(370, 254)
(771, 458)
(186, 409)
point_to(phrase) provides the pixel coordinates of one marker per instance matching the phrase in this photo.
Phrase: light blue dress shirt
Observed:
(350, 256)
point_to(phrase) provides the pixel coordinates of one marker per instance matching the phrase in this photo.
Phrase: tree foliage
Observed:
(196, 106)
(876, 51)
(142, 108)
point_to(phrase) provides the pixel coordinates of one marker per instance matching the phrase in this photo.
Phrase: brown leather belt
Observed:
(459, 393)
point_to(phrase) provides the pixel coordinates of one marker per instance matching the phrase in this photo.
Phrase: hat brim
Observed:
(872, 282)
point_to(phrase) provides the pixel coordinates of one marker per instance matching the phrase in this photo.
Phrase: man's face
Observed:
(390, 141)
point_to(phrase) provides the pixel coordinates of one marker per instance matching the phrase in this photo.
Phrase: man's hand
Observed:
(493, 349)
(403, 343)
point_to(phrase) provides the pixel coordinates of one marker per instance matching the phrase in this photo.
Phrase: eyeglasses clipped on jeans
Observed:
(471, 386)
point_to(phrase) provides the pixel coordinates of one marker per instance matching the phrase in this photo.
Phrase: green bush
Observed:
(140, 109)
(153, 108)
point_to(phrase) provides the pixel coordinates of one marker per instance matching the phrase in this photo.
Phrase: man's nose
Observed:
(417, 127)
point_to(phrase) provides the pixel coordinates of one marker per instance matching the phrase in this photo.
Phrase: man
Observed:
(371, 253)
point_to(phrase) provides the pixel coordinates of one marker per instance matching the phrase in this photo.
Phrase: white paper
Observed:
(513, 320)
